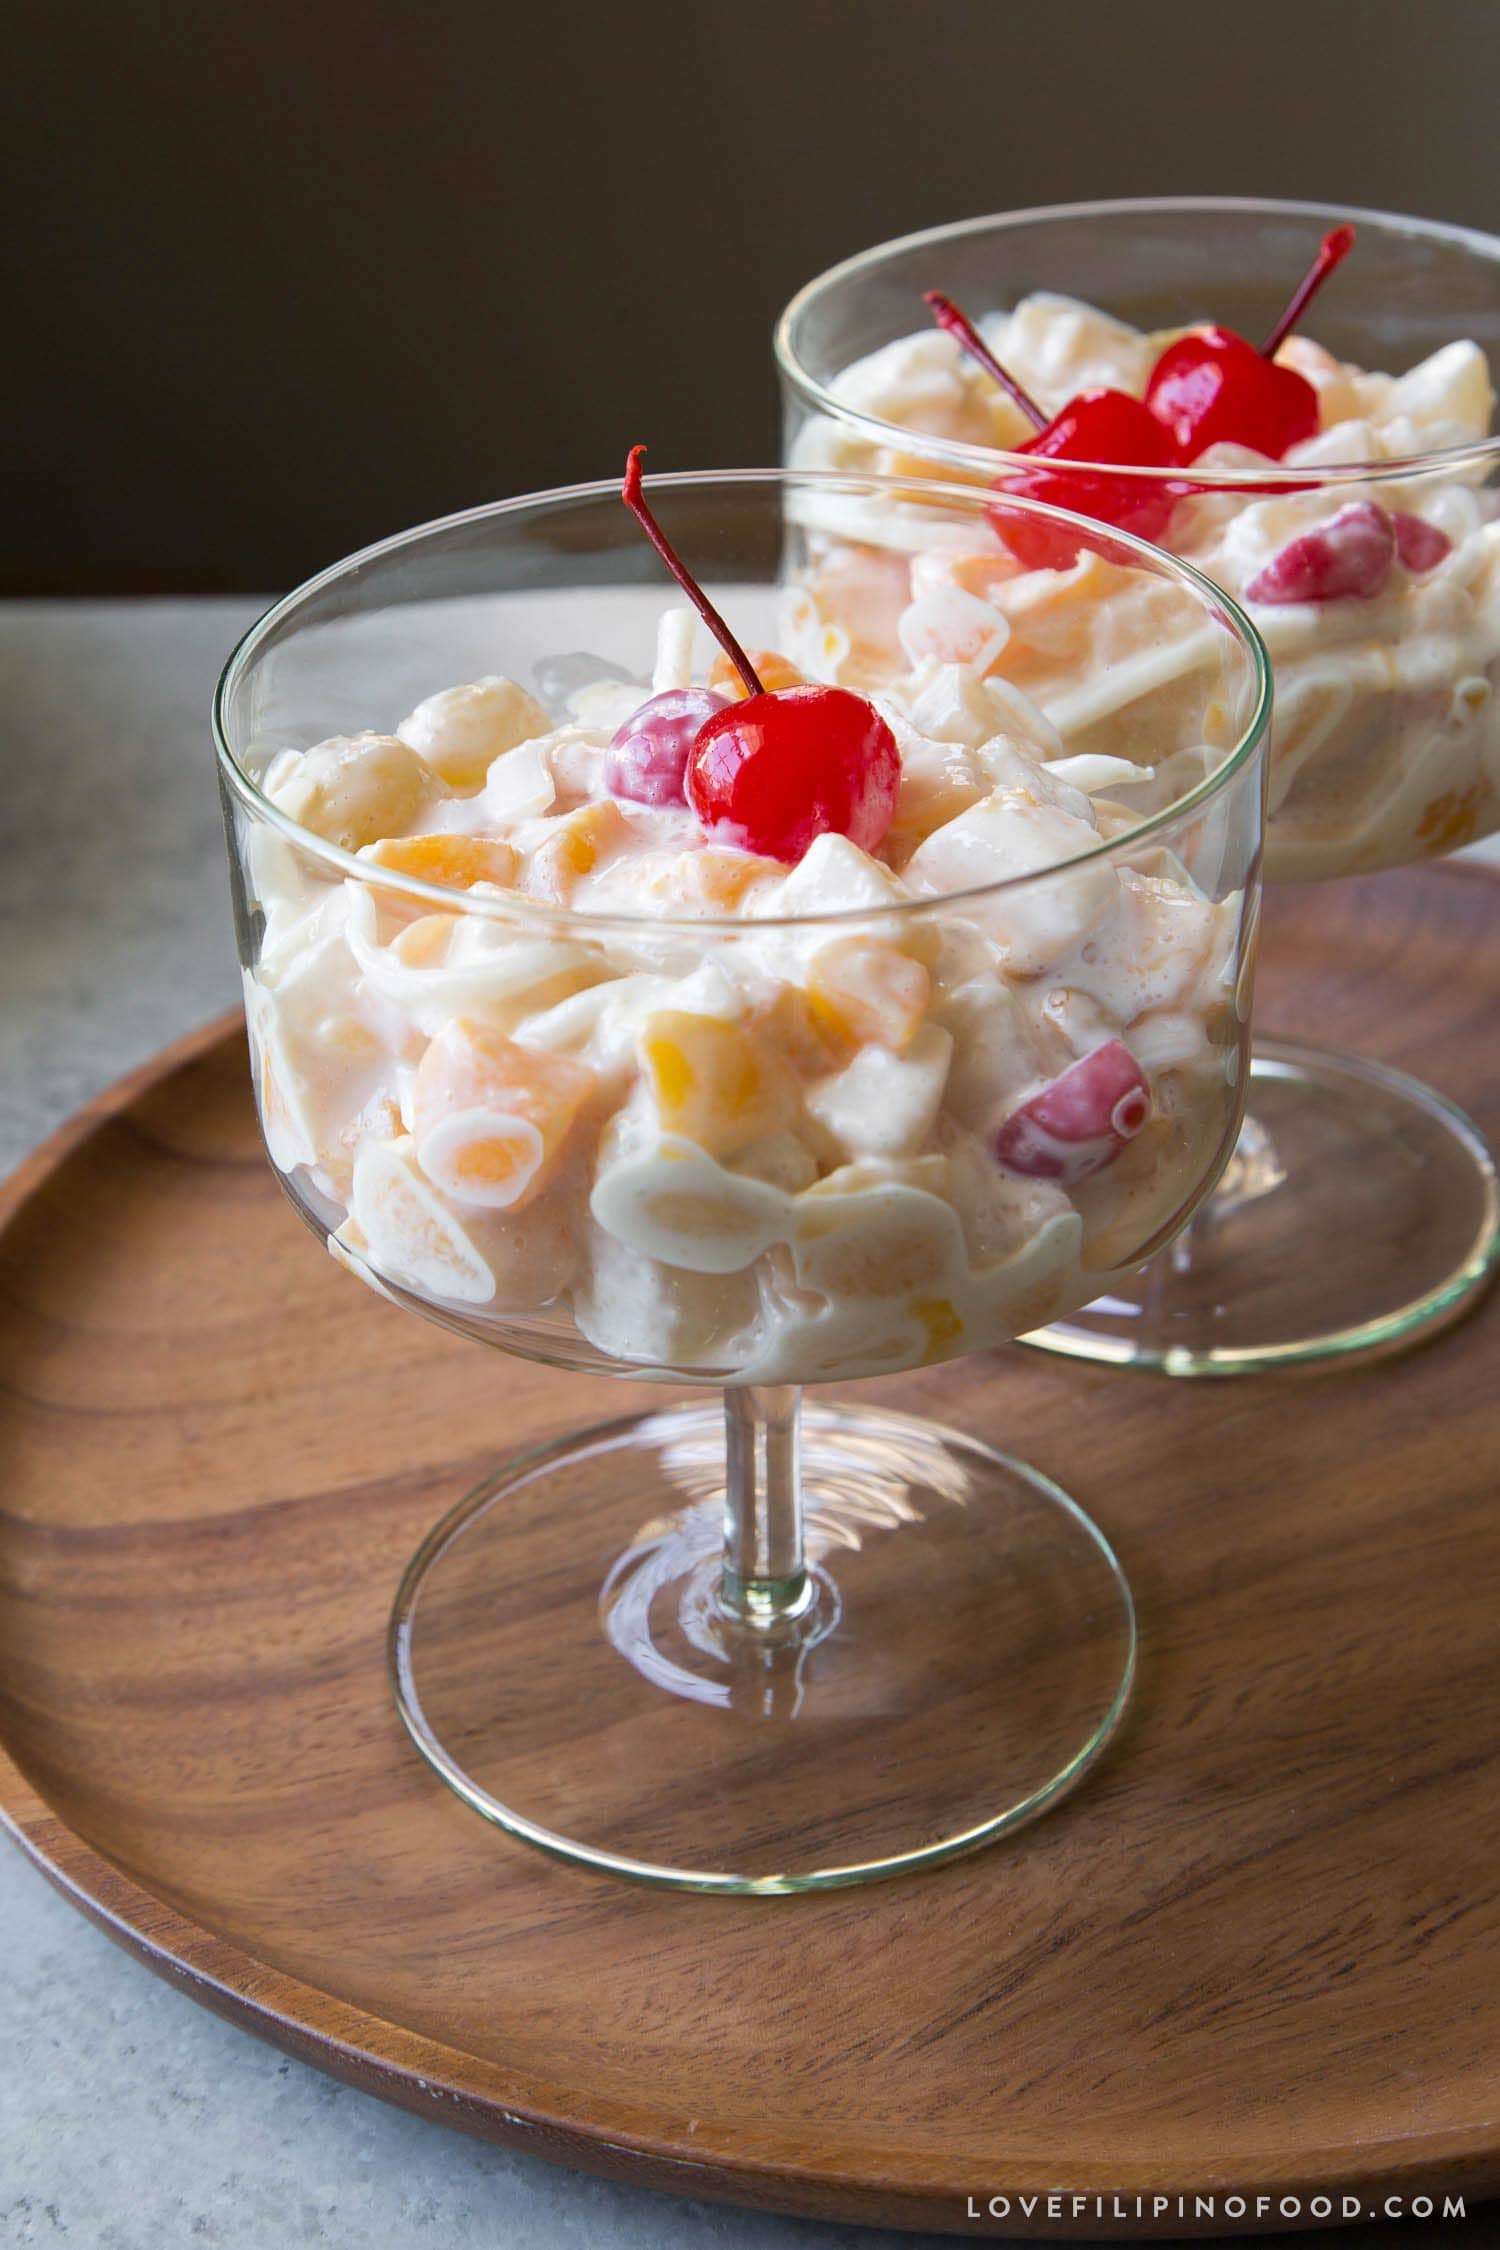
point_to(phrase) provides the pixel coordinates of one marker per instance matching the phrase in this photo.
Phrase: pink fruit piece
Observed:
(648, 757)
(1080, 1121)
(1419, 544)
(1348, 558)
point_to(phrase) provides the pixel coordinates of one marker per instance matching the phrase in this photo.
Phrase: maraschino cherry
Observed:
(1212, 387)
(648, 757)
(1097, 425)
(770, 773)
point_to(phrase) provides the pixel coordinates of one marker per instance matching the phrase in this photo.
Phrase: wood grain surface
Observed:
(1258, 1950)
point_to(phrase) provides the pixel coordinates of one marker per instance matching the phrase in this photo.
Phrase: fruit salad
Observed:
(1373, 573)
(748, 1024)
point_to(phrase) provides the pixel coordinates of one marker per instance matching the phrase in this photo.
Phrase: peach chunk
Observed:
(977, 574)
(455, 862)
(771, 668)
(716, 877)
(423, 944)
(574, 849)
(864, 991)
(863, 591)
(715, 1083)
(492, 1119)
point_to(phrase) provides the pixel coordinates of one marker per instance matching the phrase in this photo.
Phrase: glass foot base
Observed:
(561, 1655)
(1359, 1213)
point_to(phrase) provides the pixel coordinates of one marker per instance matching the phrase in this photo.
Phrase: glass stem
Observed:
(765, 1573)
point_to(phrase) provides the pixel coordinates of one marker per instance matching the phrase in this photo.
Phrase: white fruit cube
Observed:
(651, 1315)
(1450, 388)
(884, 1104)
(831, 877)
(1006, 836)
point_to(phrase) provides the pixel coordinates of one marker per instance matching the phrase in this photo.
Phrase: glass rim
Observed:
(1273, 476)
(542, 913)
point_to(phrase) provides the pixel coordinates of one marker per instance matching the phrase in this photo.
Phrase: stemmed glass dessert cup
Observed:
(778, 1123)
(1361, 1210)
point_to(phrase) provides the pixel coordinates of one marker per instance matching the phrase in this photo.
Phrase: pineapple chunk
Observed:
(771, 668)
(715, 878)
(864, 990)
(579, 842)
(714, 1083)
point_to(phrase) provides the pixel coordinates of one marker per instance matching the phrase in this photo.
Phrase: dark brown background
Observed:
(296, 272)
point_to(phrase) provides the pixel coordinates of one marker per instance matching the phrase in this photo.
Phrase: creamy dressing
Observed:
(729, 1132)
(1387, 738)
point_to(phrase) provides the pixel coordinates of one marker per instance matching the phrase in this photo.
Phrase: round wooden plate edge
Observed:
(416, 2073)
(426, 2078)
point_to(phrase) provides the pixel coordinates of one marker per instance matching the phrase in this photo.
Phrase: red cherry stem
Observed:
(958, 324)
(635, 501)
(1335, 249)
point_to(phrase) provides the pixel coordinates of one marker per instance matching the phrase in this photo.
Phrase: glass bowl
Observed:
(775, 1124)
(1387, 743)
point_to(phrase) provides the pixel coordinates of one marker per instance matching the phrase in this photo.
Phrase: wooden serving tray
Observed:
(1259, 1951)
